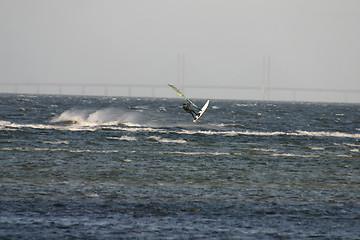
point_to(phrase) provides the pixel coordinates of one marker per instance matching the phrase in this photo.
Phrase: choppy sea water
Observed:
(128, 168)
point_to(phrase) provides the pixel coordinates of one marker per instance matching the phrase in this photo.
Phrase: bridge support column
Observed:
(106, 91)
(319, 97)
(346, 97)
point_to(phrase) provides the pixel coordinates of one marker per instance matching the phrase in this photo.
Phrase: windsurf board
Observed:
(203, 109)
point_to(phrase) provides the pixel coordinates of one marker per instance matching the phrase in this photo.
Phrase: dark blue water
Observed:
(128, 168)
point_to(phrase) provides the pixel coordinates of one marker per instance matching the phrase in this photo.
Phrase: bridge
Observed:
(152, 90)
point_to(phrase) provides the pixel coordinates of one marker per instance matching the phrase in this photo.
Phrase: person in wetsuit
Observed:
(186, 107)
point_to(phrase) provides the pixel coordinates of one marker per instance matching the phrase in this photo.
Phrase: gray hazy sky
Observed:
(311, 44)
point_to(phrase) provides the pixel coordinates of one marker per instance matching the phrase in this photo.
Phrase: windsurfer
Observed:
(186, 107)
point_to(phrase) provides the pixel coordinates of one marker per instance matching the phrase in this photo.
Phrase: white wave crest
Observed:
(264, 150)
(352, 145)
(9, 126)
(123, 138)
(317, 148)
(113, 120)
(166, 140)
(275, 133)
(27, 149)
(326, 134)
(202, 153)
(56, 143)
(294, 155)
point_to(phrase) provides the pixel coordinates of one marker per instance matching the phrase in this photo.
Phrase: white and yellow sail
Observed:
(182, 95)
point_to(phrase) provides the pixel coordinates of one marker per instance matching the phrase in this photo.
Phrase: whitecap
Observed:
(351, 145)
(342, 156)
(129, 124)
(201, 153)
(25, 149)
(294, 155)
(128, 138)
(166, 140)
(122, 138)
(91, 195)
(264, 149)
(56, 143)
(317, 148)
(327, 134)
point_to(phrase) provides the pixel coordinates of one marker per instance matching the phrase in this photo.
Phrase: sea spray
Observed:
(89, 117)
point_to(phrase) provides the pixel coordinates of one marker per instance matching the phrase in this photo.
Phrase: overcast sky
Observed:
(304, 43)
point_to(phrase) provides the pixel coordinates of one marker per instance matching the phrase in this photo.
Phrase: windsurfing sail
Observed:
(182, 95)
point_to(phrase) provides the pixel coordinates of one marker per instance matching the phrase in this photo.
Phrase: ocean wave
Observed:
(5, 125)
(26, 149)
(352, 145)
(123, 138)
(130, 127)
(275, 133)
(166, 140)
(317, 148)
(201, 153)
(264, 150)
(325, 134)
(310, 155)
(9, 126)
(133, 127)
(56, 143)
(295, 155)
(244, 152)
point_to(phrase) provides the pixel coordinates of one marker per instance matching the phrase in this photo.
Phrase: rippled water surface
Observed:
(128, 168)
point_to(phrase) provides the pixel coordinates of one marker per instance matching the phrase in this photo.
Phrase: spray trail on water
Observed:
(89, 117)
